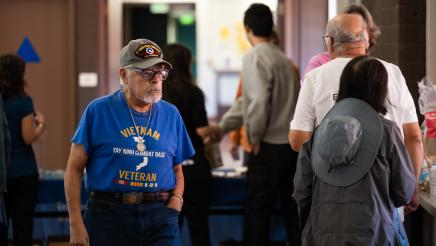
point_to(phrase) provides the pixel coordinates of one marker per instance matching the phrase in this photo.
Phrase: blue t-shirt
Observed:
(109, 136)
(23, 162)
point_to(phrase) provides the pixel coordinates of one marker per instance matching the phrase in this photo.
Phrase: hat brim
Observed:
(149, 63)
(372, 131)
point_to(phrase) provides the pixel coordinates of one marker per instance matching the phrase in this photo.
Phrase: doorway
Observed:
(161, 23)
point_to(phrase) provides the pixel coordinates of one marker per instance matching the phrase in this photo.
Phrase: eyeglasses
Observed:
(349, 38)
(332, 41)
(149, 74)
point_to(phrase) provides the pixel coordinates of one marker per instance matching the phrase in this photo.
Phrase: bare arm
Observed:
(413, 143)
(297, 138)
(176, 200)
(30, 132)
(73, 185)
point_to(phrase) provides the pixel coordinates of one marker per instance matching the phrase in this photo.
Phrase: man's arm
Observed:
(302, 125)
(73, 186)
(176, 200)
(233, 118)
(298, 138)
(413, 143)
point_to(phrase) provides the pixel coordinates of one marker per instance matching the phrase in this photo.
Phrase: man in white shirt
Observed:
(346, 37)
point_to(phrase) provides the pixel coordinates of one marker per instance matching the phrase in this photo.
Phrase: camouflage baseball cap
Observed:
(141, 53)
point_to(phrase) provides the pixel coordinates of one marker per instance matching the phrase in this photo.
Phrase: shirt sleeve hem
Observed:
(301, 127)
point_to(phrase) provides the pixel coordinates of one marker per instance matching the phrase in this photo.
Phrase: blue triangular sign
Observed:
(27, 52)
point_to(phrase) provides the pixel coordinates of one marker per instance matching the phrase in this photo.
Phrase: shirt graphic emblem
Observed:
(142, 164)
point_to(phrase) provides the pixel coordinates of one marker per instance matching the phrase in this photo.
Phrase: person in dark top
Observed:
(5, 150)
(25, 127)
(180, 90)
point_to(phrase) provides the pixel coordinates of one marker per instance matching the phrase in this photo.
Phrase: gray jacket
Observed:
(362, 213)
(269, 95)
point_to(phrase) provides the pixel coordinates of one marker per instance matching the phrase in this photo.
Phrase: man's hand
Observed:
(412, 206)
(175, 203)
(255, 149)
(297, 138)
(210, 133)
(78, 235)
(216, 134)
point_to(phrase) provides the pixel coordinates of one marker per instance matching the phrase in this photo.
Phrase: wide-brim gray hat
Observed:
(142, 53)
(346, 142)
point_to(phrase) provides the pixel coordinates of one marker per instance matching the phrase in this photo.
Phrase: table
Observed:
(428, 203)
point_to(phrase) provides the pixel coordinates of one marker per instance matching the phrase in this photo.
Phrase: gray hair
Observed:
(373, 29)
(340, 34)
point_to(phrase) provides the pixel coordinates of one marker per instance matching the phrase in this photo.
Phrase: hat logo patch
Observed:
(147, 50)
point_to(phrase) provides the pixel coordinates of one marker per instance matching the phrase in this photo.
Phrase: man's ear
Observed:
(247, 29)
(123, 75)
(329, 46)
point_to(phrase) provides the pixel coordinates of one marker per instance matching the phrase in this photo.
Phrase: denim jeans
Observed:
(114, 223)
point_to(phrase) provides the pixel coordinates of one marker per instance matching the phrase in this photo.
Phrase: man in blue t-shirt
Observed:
(132, 144)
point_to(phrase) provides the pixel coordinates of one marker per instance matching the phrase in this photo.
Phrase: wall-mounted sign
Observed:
(88, 79)
(27, 52)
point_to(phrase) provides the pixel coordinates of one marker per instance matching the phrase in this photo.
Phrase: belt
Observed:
(132, 198)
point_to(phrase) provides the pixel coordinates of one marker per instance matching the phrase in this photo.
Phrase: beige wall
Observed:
(50, 27)
(91, 47)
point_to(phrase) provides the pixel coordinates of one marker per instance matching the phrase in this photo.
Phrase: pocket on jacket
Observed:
(353, 218)
(356, 193)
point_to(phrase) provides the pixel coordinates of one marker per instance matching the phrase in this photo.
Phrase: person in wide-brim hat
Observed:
(346, 142)
(355, 170)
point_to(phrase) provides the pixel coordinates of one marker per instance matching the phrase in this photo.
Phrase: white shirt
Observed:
(321, 85)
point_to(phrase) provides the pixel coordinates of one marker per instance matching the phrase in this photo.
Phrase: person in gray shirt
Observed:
(270, 92)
